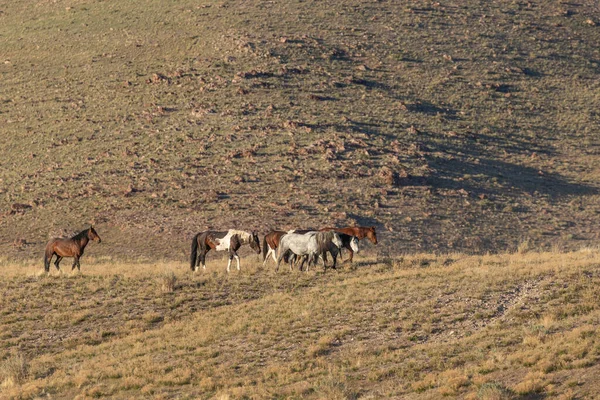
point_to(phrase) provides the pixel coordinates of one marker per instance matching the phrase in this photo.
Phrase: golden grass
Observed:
(13, 370)
(421, 326)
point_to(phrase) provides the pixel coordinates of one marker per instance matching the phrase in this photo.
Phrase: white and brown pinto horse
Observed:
(229, 241)
(270, 245)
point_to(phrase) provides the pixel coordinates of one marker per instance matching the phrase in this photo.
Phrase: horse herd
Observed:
(292, 246)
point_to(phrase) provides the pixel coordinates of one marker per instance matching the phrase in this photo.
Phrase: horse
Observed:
(359, 232)
(270, 244)
(73, 247)
(311, 244)
(229, 241)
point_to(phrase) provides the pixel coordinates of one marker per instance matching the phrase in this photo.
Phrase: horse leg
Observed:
(203, 260)
(57, 262)
(199, 259)
(304, 258)
(273, 254)
(76, 264)
(47, 262)
(279, 258)
(237, 258)
(351, 253)
(229, 262)
(334, 256)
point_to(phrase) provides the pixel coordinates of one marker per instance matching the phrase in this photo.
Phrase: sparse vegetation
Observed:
(13, 371)
(455, 128)
(457, 326)
(167, 281)
(451, 127)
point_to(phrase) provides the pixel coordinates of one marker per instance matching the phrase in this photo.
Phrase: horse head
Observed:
(371, 235)
(255, 242)
(93, 235)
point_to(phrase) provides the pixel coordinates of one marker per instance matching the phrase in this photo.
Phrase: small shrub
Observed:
(167, 282)
(494, 391)
(13, 370)
(524, 247)
(533, 383)
(152, 317)
(322, 347)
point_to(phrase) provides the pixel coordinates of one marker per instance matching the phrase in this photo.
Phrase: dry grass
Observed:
(422, 326)
(13, 371)
(167, 281)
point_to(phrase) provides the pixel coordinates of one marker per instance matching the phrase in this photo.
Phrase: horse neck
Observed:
(244, 237)
(84, 241)
(361, 233)
(81, 238)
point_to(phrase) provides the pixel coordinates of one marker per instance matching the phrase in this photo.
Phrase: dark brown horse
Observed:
(229, 241)
(359, 232)
(72, 247)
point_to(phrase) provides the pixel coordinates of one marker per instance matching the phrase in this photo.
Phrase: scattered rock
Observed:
(412, 130)
(20, 207)
(20, 243)
(393, 178)
(157, 78)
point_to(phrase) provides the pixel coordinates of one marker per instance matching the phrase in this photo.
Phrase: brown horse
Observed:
(72, 247)
(270, 244)
(359, 232)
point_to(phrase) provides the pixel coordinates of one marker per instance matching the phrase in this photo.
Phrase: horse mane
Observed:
(244, 236)
(80, 234)
(324, 240)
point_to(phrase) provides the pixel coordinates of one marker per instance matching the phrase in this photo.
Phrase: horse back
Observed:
(296, 242)
(63, 247)
(273, 238)
(207, 239)
(358, 231)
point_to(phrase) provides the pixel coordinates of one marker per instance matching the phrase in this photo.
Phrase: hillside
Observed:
(468, 125)
(512, 326)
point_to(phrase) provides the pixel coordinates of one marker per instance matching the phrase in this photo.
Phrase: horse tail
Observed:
(48, 256)
(194, 254)
(319, 240)
(265, 247)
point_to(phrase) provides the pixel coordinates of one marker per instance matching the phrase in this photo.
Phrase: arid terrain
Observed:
(450, 126)
(466, 132)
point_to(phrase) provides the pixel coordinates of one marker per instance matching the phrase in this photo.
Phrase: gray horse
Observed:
(310, 244)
